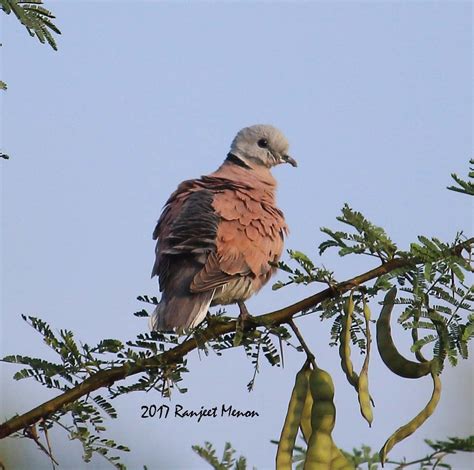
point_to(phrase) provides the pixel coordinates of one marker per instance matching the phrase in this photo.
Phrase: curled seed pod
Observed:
(323, 418)
(363, 389)
(292, 420)
(409, 428)
(305, 424)
(345, 344)
(397, 363)
(339, 461)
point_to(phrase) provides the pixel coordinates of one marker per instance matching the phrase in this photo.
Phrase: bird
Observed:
(219, 236)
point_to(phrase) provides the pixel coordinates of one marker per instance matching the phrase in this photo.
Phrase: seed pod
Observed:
(346, 363)
(388, 352)
(305, 424)
(345, 344)
(323, 418)
(363, 389)
(339, 461)
(409, 428)
(292, 420)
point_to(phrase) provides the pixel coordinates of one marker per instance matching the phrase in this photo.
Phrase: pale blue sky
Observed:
(376, 101)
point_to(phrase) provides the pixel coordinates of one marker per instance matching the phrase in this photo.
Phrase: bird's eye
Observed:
(263, 143)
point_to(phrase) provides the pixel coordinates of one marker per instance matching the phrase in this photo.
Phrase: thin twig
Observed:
(438, 455)
(280, 342)
(439, 458)
(256, 369)
(308, 352)
(31, 433)
(45, 430)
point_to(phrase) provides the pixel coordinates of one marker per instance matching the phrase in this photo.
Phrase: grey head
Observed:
(261, 145)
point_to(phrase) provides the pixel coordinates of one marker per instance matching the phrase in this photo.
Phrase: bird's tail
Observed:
(180, 313)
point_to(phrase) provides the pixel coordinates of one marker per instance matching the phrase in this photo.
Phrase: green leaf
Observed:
(428, 271)
(465, 187)
(35, 18)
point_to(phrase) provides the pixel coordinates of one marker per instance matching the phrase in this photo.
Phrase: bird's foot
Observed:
(243, 317)
(211, 319)
(244, 313)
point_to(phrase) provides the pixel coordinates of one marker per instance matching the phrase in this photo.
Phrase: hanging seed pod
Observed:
(397, 363)
(345, 343)
(323, 417)
(292, 420)
(363, 389)
(409, 428)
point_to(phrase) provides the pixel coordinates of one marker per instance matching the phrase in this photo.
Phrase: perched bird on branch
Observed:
(219, 234)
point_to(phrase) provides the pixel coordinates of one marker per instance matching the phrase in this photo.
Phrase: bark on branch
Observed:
(106, 378)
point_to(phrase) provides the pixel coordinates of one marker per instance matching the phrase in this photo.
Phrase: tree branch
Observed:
(105, 378)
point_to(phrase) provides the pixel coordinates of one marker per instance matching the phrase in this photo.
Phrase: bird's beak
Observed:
(288, 159)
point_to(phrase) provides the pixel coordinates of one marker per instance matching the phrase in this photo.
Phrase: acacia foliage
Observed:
(436, 307)
(37, 20)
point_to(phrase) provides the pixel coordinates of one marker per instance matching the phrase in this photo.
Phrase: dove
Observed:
(219, 236)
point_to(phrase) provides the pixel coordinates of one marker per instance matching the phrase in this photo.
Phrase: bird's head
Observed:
(261, 146)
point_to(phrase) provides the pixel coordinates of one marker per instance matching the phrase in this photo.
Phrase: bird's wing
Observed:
(249, 236)
(185, 232)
